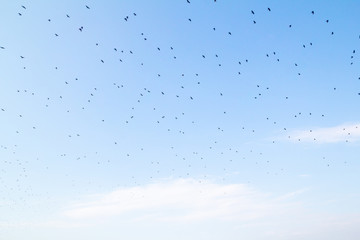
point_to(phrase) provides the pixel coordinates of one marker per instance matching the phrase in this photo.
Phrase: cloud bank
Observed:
(180, 200)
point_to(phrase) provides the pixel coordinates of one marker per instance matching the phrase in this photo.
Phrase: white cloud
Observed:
(238, 208)
(180, 200)
(195, 209)
(341, 133)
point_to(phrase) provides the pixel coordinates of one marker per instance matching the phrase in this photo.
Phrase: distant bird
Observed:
(252, 12)
(312, 12)
(87, 6)
(23, 7)
(188, 1)
(269, 9)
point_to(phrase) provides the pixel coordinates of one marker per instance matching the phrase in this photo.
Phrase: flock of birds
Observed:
(171, 108)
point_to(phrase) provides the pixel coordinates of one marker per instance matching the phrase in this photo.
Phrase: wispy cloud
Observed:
(340, 133)
(206, 209)
(180, 200)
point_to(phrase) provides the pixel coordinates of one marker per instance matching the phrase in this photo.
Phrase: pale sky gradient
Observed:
(176, 120)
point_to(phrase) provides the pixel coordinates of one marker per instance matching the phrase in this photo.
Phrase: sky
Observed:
(179, 120)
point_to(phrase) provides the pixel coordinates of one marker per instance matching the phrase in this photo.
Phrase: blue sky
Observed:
(168, 119)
